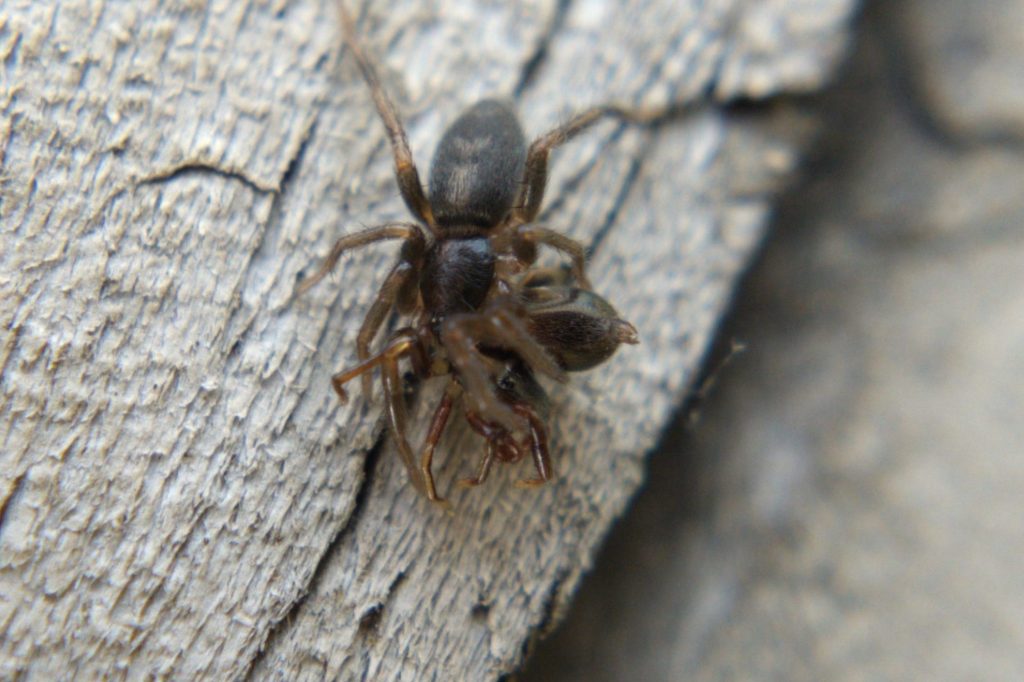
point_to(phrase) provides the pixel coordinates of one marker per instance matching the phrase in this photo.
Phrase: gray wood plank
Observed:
(181, 493)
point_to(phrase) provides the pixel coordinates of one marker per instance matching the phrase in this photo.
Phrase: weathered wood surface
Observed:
(180, 493)
(848, 506)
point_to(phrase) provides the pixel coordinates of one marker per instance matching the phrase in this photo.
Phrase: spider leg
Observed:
(500, 326)
(543, 235)
(395, 288)
(538, 448)
(500, 445)
(557, 276)
(410, 232)
(397, 420)
(437, 424)
(396, 280)
(405, 168)
(535, 176)
(403, 342)
(503, 327)
(482, 471)
(474, 372)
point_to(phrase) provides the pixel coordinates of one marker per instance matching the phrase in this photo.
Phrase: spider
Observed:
(580, 330)
(481, 316)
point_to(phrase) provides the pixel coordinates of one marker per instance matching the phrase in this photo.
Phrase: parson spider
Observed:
(480, 314)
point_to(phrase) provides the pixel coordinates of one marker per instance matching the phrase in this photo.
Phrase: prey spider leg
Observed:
(483, 469)
(437, 426)
(502, 446)
(538, 448)
(497, 325)
(499, 445)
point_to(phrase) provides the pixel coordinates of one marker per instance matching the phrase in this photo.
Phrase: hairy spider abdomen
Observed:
(457, 274)
(577, 327)
(475, 171)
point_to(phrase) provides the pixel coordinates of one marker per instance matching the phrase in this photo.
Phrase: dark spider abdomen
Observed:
(457, 274)
(577, 327)
(475, 172)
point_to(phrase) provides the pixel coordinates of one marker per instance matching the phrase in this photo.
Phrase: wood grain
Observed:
(180, 493)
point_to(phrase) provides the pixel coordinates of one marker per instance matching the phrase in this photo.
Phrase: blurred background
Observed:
(845, 502)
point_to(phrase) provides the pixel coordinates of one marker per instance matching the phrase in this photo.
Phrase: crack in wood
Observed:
(549, 618)
(280, 627)
(200, 168)
(16, 488)
(533, 65)
(371, 618)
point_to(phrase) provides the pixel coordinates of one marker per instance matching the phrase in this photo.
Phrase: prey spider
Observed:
(481, 315)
